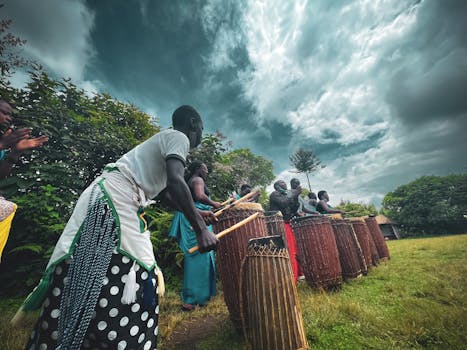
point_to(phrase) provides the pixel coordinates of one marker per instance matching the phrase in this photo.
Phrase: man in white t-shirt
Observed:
(101, 277)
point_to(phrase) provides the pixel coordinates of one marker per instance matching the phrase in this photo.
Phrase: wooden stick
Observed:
(227, 201)
(244, 198)
(229, 230)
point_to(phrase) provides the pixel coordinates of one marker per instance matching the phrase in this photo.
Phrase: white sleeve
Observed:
(175, 145)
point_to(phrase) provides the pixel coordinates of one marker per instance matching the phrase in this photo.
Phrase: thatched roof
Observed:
(381, 219)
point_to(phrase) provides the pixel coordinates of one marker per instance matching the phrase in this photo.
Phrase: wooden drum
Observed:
(363, 236)
(232, 249)
(275, 224)
(350, 254)
(378, 238)
(317, 251)
(271, 314)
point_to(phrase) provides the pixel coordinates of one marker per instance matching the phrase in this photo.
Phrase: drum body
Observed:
(271, 314)
(363, 236)
(378, 238)
(232, 249)
(275, 224)
(317, 251)
(350, 254)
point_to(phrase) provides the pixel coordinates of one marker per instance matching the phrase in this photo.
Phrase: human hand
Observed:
(216, 205)
(11, 137)
(208, 217)
(298, 191)
(207, 241)
(30, 143)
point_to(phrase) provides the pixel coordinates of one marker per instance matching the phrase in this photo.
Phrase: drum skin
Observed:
(232, 249)
(317, 251)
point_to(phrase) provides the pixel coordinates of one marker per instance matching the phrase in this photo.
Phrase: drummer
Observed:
(309, 207)
(244, 190)
(287, 203)
(323, 207)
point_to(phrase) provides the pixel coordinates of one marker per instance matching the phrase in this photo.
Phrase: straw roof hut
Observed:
(388, 227)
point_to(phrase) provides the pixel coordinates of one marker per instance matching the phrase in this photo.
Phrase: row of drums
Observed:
(256, 274)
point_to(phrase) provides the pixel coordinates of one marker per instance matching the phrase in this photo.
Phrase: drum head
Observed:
(269, 241)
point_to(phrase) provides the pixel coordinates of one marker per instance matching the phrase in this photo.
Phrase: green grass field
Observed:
(417, 300)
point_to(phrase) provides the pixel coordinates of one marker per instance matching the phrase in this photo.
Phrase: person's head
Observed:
(245, 189)
(187, 120)
(294, 183)
(280, 185)
(312, 198)
(5, 113)
(198, 168)
(323, 195)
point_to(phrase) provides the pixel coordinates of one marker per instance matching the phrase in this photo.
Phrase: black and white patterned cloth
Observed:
(114, 325)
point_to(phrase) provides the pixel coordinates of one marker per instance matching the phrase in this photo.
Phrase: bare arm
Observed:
(181, 197)
(197, 185)
(325, 206)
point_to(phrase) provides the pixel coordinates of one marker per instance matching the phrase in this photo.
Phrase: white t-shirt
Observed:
(146, 161)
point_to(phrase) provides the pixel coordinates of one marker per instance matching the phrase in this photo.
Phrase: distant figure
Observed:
(310, 205)
(297, 204)
(244, 190)
(323, 207)
(199, 271)
(16, 141)
(287, 203)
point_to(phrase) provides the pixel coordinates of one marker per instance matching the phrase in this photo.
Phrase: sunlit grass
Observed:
(417, 300)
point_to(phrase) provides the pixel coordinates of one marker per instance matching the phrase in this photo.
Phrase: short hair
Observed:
(244, 187)
(276, 184)
(294, 180)
(312, 195)
(320, 193)
(182, 115)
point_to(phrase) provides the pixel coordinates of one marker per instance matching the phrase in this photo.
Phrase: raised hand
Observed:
(11, 137)
(30, 143)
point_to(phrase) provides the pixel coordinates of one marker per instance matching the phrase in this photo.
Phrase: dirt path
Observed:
(190, 332)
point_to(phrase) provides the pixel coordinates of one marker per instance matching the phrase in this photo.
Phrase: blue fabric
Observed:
(199, 275)
(2, 154)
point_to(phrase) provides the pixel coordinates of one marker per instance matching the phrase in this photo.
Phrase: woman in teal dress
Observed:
(199, 275)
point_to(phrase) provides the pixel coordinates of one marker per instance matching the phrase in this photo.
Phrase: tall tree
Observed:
(305, 161)
(430, 204)
(9, 43)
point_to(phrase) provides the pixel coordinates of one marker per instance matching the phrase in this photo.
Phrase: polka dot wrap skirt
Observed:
(114, 325)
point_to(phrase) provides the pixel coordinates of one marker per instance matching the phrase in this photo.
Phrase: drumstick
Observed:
(227, 201)
(229, 230)
(244, 198)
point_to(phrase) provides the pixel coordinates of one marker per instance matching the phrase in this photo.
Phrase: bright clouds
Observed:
(375, 87)
(349, 75)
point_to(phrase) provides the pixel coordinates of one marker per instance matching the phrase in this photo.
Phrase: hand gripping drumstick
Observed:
(229, 230)
(244, 198)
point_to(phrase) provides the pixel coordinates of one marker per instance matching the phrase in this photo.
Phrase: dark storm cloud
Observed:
(375, 88)
(431, 79)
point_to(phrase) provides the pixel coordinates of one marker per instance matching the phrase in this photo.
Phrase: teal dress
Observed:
(199, 275)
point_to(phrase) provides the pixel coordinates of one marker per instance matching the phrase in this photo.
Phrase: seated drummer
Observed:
(323, 207)
(309, 207)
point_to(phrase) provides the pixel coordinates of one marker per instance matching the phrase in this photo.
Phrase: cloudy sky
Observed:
(378, 89)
